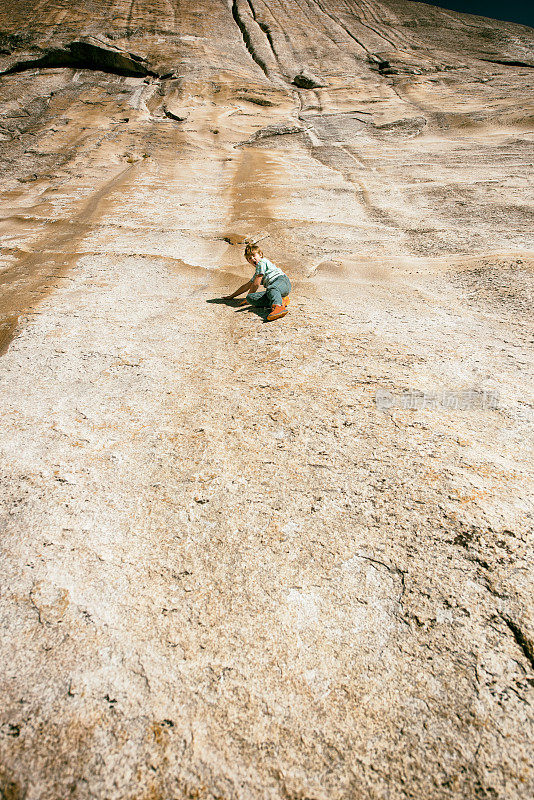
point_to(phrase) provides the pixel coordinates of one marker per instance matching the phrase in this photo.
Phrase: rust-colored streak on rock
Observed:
(33, 275)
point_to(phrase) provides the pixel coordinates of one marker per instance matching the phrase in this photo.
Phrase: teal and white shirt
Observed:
(268, 271)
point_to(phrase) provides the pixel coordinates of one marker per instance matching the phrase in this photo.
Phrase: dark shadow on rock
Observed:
(92, 53)
(223, 301)
(259, 312)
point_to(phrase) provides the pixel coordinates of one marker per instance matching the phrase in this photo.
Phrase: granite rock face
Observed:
(287, 561)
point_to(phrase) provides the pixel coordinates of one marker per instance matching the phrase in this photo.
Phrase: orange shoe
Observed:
(285, 301)
(277, 312)
(242, 302)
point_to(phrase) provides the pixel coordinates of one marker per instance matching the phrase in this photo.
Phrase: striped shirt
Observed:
(268, 271)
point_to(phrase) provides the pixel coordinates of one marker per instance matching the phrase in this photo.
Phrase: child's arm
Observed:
(253, 283)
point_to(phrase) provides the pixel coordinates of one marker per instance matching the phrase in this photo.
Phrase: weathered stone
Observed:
(305, 80)
(176, 113)
(272, 561)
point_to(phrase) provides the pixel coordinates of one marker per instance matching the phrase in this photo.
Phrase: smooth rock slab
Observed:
(244, 560)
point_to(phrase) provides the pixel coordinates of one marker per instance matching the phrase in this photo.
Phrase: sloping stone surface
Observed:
(265, 561)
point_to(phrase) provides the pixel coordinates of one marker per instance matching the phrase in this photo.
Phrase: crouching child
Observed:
(277, 285)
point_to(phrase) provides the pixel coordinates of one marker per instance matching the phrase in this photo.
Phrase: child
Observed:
(276, 282)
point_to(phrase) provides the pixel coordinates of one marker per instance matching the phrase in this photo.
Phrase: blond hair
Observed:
(251, 248)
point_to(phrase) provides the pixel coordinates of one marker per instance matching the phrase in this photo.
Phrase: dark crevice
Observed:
(267, 31)
(507, 63)
(247, 40)
(174, 116)
(252, 11)
(85, 55)
(257, 101)
(385, 68)
(303, 79)
(525, 643)
(268, 35)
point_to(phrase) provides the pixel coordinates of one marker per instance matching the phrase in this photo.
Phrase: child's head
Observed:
(253, 253)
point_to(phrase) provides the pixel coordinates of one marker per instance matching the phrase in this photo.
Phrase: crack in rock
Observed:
(523, 640)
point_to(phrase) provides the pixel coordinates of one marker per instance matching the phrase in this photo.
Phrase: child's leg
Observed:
(258, 299)
(277, 290)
